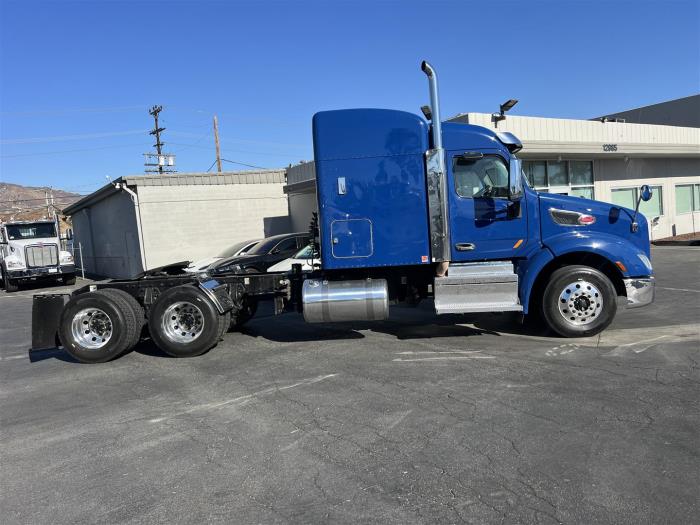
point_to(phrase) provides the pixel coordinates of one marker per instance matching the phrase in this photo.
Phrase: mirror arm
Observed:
(635, 225)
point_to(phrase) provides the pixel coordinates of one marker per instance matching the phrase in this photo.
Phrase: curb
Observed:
(691, 242)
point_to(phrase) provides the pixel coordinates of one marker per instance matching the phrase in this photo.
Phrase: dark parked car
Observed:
(266, 253)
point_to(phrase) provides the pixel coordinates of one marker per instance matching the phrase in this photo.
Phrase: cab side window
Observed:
(485, 177)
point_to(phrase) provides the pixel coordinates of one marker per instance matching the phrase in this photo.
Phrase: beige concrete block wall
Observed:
(192, 222)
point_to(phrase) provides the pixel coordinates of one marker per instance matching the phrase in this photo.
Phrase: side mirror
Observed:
(645, 194)
(515, 180)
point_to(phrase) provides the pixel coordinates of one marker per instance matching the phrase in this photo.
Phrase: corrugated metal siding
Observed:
(301, 173)
(209, 179)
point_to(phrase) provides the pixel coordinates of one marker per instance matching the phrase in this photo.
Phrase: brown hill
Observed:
(29, 203)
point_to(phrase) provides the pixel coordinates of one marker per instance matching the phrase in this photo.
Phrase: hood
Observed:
(225, 265)
(610, 219)
(201, 264)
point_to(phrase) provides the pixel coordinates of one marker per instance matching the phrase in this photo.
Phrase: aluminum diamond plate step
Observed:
(478, 287)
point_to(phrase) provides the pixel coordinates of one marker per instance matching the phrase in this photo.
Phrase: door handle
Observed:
(465, 246)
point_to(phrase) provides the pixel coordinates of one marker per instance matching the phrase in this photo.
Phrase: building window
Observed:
(568, 177)
(627, 197)
(687, 198)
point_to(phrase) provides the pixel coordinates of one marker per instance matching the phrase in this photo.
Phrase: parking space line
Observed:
(242, 400)
(677, 289)
(445, 358)
(8, 357)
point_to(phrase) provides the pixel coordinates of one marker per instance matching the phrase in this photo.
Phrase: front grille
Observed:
(41, 255)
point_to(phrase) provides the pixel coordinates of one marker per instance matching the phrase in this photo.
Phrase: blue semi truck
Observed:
(409, 208)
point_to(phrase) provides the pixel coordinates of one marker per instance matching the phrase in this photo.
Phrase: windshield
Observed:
(263, 246)
(306, 253)
(42, 230)
(233, 250)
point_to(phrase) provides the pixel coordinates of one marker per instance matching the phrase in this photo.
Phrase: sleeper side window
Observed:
(485, 177)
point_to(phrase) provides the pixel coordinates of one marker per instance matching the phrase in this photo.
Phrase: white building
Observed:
(143, 222)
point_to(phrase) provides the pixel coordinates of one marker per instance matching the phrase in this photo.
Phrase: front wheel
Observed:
(579, 301)
(9, 284)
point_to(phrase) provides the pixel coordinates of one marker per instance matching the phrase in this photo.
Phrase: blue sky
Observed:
(77, 78)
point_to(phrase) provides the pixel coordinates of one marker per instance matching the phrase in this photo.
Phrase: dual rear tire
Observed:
(185, 323)
(99, 326)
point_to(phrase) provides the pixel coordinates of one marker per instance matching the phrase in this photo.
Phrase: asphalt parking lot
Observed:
(415, 420)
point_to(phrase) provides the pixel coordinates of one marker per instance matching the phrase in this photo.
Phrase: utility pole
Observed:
(216, 140)
(164, 162)
(48, 204)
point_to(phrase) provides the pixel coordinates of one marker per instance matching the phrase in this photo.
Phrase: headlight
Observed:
(13, 262)
(231, 268)
(66, 258)
(645, 260)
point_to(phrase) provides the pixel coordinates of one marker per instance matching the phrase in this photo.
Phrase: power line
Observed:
(60, 152)
(57, 112)
(266, 153)
(244, 164)
(59, 138)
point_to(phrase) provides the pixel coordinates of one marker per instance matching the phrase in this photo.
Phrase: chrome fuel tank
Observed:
(335, 301)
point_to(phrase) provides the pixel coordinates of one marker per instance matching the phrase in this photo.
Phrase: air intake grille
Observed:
(41, 256)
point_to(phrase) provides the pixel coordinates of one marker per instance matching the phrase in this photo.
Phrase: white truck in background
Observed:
(31, 251)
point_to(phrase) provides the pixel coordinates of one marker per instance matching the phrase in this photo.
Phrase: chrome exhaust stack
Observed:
(437, 184)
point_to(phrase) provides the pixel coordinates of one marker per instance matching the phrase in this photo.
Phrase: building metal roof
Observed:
(678, 112)
(276, 176)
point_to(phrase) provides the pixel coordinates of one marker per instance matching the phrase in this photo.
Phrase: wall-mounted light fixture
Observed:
(506, 106)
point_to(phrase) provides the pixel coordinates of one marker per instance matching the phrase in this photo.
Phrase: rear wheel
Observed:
(96, 327)
(184, 322)
(579, 301)
(134, 306)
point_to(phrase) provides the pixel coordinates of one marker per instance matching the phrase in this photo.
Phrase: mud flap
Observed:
(46, 313)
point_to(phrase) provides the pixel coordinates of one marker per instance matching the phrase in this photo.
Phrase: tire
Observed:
(96, 327)
(224, 324)
(136, 309)
(69, 281)
(238, 319)
(9, 284)
(185, 308)
(579, 301)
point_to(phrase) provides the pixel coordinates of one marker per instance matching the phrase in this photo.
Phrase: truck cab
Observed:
(30, 251)
(443, 209)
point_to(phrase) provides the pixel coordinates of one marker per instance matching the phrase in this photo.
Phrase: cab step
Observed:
(490, 286)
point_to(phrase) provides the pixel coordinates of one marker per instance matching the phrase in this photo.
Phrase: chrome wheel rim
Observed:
(183, 322)
(580, 303)
(92, 328)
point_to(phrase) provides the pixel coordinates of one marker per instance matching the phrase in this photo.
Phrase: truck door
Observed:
(484, 224)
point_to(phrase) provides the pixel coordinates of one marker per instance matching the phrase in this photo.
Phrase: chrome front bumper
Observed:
(640, 292)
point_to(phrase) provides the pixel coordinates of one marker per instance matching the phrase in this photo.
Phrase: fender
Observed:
(528, 270)
(612, 247)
